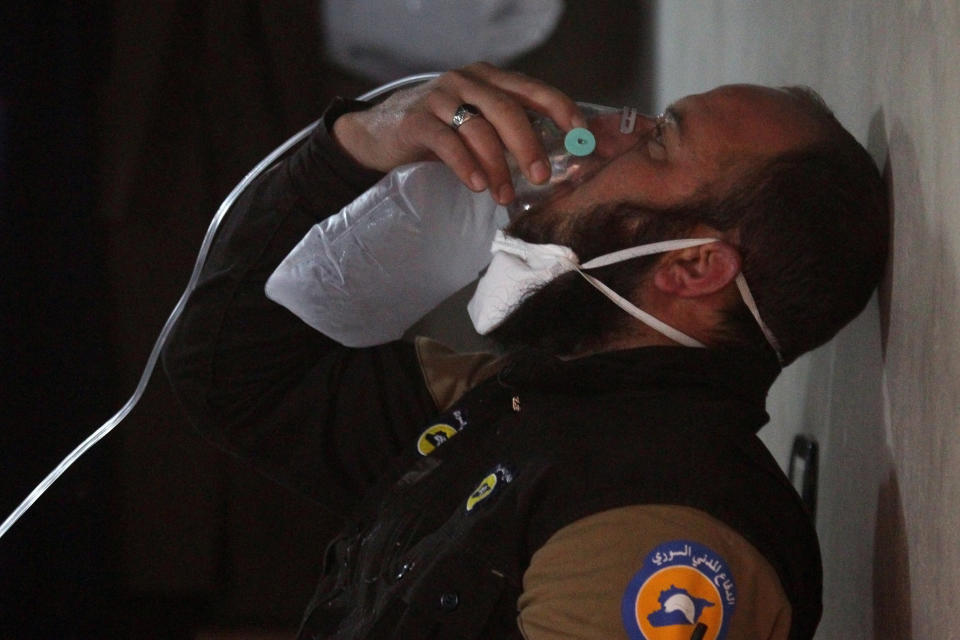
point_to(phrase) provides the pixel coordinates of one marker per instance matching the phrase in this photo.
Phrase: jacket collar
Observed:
(744, 374)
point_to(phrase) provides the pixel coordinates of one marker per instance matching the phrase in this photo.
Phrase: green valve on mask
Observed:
(580, 142)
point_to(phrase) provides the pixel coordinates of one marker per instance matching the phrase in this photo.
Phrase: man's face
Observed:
(697, 149)
(673, 164)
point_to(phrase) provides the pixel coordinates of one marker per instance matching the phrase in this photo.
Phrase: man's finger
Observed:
(484, 143)
(491, 90)
(506, 117)
(447, 145)
(486, 146)
(532, 93)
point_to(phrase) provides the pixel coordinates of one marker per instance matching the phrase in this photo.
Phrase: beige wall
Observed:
(882, 398)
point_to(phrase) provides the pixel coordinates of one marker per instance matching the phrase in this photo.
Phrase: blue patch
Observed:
(683, 588)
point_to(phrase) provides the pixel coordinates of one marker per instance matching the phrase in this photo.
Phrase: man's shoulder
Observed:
(637, 568)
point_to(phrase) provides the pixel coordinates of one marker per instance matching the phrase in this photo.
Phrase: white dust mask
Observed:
(518, 268)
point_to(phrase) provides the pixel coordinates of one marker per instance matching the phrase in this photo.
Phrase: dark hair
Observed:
(813, 226)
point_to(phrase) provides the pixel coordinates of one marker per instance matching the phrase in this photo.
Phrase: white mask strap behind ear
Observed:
(674, 334)
(652, 322)
(519, 267)
(635, 252)
(755, 312)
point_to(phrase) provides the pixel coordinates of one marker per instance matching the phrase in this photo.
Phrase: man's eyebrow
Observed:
(676, 115)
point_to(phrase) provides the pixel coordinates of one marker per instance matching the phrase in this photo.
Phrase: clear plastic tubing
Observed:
(225, 206)
(574, 156)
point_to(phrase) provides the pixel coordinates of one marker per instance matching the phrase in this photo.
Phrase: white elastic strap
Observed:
(225, 206)
(645, 250)
(628, 120)
(641, 315)
(654, 323)
(635, 252)
(755, 312)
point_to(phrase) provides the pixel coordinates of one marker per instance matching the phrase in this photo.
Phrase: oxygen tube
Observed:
(225, 206)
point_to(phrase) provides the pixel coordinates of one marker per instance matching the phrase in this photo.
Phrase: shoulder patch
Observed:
(434, 436)
(684, 591)
(489, 485)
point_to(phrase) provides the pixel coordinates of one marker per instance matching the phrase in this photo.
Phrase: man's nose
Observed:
(618, 141)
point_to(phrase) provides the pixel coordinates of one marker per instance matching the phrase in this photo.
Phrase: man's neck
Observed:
(636, 339)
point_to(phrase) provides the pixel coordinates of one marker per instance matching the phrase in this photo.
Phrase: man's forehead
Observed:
(744, 118)
(737, 96)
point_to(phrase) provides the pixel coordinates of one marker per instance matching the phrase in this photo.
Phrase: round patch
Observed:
(433, 437)
(683, 589)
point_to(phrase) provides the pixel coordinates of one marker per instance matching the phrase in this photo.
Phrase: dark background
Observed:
(122, 127)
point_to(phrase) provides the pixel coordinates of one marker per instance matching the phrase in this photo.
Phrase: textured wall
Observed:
(882, 398)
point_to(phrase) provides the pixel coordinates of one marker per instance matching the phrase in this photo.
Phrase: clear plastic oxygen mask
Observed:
(574, 156)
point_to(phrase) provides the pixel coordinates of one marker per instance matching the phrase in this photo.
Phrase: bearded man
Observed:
(602, 477)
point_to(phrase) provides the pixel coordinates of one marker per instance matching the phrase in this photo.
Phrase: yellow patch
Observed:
(483, 491)
(433, 437)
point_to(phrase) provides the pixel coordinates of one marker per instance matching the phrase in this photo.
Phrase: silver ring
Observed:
(463, 113)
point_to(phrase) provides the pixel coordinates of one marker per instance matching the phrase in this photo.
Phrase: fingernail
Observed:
(477, 181)
(505, 195)
(539, 171)
(579, 121)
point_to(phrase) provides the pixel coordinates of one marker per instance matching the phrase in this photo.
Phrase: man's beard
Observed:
(567, 315)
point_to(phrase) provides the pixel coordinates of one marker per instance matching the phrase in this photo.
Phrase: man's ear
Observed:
(697, 271)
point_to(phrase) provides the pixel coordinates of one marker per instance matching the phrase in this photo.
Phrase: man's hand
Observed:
(414, 124)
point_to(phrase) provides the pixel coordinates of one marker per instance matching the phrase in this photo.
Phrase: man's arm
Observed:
(599, 578)
(320, 418)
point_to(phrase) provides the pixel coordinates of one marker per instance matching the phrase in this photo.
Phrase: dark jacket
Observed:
(437, 544)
